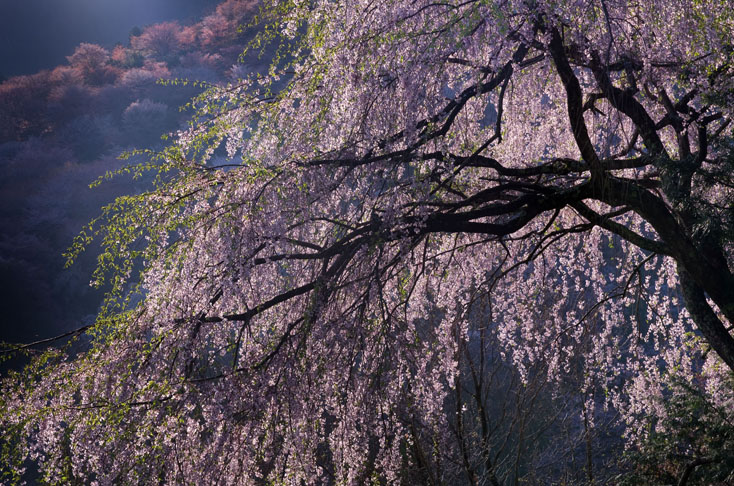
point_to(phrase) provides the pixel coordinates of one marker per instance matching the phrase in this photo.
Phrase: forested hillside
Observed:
(63, 128)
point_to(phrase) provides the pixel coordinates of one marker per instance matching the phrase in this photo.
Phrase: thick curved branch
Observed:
(708, 323)
(705, 270)
(621, 230)
(625, 102)
(557, 166)
(19, 347)
(575, 102)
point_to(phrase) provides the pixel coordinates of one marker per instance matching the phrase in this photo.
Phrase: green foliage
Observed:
(692, 443)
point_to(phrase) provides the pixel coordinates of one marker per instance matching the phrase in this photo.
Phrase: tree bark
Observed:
(703, 315)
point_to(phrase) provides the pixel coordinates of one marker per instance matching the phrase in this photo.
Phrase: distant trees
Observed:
(92, 61)
(221, 28)
(127, 58)
(160, 40)
(206, 48)
(23, 106)
(89, 57)
(143, 119)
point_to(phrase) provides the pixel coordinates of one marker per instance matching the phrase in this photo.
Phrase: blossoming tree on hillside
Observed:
(410, 178)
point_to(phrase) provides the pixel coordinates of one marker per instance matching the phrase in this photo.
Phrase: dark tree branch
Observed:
(19, 347)
(621, 230)
(575, 103)
(625, 102)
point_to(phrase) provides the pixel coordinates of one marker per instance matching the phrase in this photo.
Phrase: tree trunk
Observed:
(703, 315)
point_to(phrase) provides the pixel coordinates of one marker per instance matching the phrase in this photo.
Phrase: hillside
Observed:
(62, 128)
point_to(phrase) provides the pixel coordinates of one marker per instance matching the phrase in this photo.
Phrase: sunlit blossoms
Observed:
(432, 235)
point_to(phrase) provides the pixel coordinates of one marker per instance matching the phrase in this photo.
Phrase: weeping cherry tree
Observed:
(307, 292)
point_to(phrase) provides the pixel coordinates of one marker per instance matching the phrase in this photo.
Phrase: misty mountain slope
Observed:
(62, 128)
